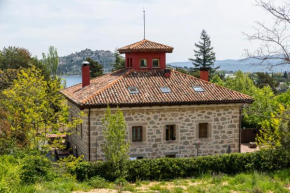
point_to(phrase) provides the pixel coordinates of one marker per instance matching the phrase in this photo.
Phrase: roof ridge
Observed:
(107, 86)
(136, 44)
(210, 83)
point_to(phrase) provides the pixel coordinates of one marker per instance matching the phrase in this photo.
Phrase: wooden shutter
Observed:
(203, 130)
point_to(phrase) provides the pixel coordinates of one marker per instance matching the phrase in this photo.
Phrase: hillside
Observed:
(71, 64)
(235, 65)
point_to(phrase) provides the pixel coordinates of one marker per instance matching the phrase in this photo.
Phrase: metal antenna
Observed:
(144, 21)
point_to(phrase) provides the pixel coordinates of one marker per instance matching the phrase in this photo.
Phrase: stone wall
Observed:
(223, 121)
(79, 135)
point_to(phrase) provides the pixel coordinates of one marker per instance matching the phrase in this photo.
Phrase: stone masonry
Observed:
(223, 131)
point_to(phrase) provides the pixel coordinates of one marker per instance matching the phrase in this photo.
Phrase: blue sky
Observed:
(73, 25)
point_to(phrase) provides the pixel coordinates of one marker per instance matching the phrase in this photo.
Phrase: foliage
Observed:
(9, 173)
(204, 55)
(119, 61)
(96, 69)
(34, 168)
(7, 77)
(217, 80)
(51, 61)
(166, 168)
(266, 80)
(34, 107)
(14, 58)
(116, 148)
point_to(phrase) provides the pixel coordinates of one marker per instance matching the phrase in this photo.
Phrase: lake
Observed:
(72, 80)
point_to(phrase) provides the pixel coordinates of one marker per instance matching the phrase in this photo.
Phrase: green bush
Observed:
(166, 168)
(98, 182)
(9, 173)
(36, 167)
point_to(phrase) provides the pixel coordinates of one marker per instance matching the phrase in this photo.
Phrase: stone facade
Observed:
(223, 130)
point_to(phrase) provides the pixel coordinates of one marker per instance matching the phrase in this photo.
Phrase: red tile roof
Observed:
(146, 46)
(112, 89)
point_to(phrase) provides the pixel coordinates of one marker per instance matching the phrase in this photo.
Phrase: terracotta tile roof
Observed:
(146, 45)
(112, 89)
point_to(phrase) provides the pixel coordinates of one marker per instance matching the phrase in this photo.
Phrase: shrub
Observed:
(36, 167)
(98, 182)
(9, 173)
(166, 168)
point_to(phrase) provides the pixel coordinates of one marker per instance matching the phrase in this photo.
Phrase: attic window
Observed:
(133, 90)
(165, 89)
(197, 89)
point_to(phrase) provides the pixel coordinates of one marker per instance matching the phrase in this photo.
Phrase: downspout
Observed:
(89, 125)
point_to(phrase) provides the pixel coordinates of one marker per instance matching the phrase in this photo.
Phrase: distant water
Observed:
(72, 80)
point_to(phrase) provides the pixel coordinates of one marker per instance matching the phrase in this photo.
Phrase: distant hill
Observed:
(71, 64)
(235, 65)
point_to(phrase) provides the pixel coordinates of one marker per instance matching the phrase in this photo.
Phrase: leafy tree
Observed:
(204, 55)
(241, 83)
(30, 104)
(7, 77)
(217, 80)
(14, 58)
(96, 69)
(119, 61)
(266, 80)
(116, 148)
(51, 60)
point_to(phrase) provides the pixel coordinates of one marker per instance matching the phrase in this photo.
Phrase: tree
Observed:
(119, 61)
(217, 80)
(204, 55)
(96, 69)
(51, 60)
(285, 75)
(273, 40)
(33, 108)
(14, 58)
(7, 77)
(266, 80)
(116, 148)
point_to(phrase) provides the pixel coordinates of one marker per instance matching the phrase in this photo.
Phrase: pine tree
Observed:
(204, 55)
(285, 75)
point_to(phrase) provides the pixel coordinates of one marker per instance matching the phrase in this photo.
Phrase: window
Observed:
(133, 90)
(170, 132)
(143, 63)
(171, 156)
(135, 158)
(203, 130)
(165, 89)
(137, 134)
(129, 62)
(197, 88)
(155, 63)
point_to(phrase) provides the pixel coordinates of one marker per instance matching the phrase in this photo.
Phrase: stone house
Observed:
(168, 113)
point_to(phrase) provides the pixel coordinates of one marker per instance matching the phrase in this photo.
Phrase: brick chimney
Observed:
(167, 73)
(85, 73)
(204, 73)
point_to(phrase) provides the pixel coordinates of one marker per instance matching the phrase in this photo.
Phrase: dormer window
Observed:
(133, 90)
(143, 63)
(155, 63)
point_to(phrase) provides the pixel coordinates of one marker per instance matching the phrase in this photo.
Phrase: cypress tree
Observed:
(204, 55)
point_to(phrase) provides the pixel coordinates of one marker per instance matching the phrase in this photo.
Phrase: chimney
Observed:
(85, 73)
(167, 73)
(204, 73)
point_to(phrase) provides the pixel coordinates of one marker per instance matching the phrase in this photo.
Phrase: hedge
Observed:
(170, 168)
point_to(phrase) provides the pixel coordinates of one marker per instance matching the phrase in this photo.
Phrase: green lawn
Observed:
(255, 182)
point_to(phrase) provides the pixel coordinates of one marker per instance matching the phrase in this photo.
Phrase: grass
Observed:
(255, 182)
